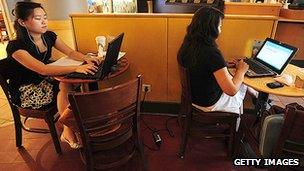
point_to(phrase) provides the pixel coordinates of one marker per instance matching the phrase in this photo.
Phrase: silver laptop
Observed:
(271, 59)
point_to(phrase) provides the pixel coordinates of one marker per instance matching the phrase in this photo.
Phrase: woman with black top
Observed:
(212, 87)
(30, 52)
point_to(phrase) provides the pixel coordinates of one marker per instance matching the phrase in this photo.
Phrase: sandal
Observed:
(73, 145)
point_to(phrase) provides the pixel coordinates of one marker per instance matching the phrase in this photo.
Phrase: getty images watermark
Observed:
(266, 162)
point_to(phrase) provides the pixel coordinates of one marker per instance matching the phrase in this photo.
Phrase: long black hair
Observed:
(23, 10)
(201, 33)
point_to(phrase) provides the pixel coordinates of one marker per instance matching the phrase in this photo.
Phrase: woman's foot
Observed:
(74, 145)
(69, 137)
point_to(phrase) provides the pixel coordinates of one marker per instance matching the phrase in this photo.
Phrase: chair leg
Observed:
(18, 130)
(50, 121)
(232, 136)
(181, 111)
(179, 118)
(184, 137)
(142, 155)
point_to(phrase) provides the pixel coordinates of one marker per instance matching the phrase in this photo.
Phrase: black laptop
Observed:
(104, 69)
(271, 59)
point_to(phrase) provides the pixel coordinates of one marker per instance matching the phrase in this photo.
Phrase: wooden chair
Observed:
(108, 121)
(49, 115)
(196, 118)
(291, 140)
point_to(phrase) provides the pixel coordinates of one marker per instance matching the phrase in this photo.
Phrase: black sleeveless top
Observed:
(23, 75)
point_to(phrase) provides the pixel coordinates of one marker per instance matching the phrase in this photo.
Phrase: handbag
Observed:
(36, 96)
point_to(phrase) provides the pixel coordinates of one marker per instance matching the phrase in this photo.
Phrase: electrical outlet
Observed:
(146, 87)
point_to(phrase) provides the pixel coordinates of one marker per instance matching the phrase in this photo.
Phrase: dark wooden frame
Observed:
(98, 113)
(291, 140)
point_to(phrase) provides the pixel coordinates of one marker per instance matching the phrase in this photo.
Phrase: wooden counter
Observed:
(239, 8)
(292, 14)
(243, 8)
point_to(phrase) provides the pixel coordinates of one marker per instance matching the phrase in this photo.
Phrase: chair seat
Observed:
(36, 113)
(213, 117)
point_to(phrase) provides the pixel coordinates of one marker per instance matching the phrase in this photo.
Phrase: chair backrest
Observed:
(107, 118)
(186, 98)
(291, 140)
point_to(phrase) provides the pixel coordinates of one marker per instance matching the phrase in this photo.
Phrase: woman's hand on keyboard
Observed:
(93, 60)
(242, 67)
(87, 68)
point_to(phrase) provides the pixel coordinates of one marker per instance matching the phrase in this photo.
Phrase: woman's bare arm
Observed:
(231, 85)
(33, 64)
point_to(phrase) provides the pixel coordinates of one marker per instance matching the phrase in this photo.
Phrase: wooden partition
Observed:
(152, 41)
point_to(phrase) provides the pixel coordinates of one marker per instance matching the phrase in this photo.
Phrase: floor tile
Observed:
(2, 95)
(8, 158)
(6, 112)
(3, 102)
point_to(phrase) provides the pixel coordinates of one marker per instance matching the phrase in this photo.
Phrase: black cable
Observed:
(144, 122)
(151, 148)
(167, 127)
(170, 132)
(153, 130)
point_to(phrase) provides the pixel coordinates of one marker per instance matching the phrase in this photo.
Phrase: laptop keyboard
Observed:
(95, 76)
(256, 68)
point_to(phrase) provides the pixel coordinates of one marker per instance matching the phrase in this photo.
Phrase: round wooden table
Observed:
(122, 66)
(259, 84)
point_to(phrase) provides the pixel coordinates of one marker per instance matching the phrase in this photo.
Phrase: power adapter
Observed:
(157, 139)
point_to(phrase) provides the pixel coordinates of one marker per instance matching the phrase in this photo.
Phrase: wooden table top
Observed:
(260, 83)
(123, 65)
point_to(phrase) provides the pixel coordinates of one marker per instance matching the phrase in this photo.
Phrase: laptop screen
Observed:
(112, 54)
(275, 55)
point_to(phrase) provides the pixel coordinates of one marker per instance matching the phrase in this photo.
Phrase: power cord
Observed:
(167, 126)
(154, 129)
(155, 134)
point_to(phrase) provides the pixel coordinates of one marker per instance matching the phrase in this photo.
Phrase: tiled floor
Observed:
(5, 110)
(3, 50)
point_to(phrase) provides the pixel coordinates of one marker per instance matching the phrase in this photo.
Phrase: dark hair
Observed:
(202, 32)
(22, 11)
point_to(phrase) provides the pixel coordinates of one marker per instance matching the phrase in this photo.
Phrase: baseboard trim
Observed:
(160, 108)
(169, 108)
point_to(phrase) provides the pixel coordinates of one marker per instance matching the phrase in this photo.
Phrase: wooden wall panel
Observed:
(145, 42)
(176, 33)
(238, 35)
(284, 32)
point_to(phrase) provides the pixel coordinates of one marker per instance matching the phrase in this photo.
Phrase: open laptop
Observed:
(271, 59)
(105, 67)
